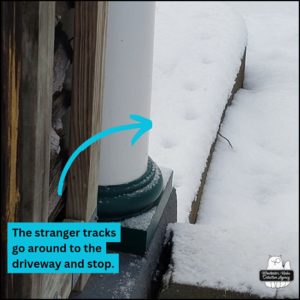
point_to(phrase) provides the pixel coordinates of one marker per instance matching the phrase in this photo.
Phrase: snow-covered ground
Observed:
(250, 206)
(198, 47)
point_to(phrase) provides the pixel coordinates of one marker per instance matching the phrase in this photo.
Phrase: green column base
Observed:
(139, 232)
(117, 202)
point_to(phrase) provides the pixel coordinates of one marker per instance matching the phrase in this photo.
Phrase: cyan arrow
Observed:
(142, 124)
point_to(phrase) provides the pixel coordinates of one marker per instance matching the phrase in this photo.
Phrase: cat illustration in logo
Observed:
(276, 263)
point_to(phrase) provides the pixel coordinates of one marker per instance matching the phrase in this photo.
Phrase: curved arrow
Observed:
(142, 124)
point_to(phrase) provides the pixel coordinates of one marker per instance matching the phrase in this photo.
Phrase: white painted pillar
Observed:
(127, 88)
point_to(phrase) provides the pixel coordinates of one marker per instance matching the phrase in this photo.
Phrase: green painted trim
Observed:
(117, 202)
(137, 240)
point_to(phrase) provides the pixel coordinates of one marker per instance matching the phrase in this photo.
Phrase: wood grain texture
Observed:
(36, 96)
(38, 19)
(57, 286)
(89, 41)
(10, 87)
(28, 36)
(88, 65)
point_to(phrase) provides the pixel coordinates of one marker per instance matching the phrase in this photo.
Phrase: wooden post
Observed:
(27, 37)
(89, 40)
(87, 90)
(10, 81)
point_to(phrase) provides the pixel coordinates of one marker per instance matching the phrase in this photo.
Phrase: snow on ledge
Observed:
(197, 55)
(221, 258)
(142, 221)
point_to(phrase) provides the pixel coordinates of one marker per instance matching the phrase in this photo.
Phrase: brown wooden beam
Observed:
(27, 35)
(89, 46)
(85, 118)
(10, 85)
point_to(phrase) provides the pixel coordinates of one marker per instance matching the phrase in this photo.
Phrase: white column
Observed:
(127, 88)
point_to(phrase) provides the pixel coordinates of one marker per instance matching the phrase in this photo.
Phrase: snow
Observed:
(220, 257)
(143, 221)
(197, 54)
(250, 205)
(140, 222)
(230, 257)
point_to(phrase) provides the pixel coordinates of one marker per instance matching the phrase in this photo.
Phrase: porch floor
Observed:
(249, 208)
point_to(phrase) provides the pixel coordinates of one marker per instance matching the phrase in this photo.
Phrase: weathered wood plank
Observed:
(38, 23)
(26, 119)
(10, 85)
(36, 96)
(57, 286)
(28, 36)
(89, 40)
(53, 196)
(89, 49)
